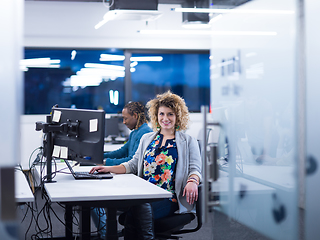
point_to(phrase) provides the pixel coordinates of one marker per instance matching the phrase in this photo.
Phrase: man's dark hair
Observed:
(139, 109)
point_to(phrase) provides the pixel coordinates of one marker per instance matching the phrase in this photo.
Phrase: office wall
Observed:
(31, 139)
(71, 24)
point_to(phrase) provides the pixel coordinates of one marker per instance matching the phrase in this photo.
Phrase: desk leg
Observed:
(112, 224)
(85, 223)
(68, 229)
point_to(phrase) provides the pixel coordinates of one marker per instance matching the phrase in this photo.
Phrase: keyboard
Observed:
(95, 175)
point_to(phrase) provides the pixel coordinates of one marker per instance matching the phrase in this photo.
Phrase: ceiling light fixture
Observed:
(208, 32)
(130, 15)
(147, 59)
(104, 66)
(110, 57)
(196, 25)
(25, 64)
(246, 11)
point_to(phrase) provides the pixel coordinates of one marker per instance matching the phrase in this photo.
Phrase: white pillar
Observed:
(11, 99)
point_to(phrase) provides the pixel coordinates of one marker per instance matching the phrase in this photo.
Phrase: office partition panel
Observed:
(312, 207)
(11, 85)
(253, 98)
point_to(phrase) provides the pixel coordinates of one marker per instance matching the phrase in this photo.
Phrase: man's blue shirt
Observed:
(126, 152)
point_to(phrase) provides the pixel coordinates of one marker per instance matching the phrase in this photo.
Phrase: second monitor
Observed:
(112, 129)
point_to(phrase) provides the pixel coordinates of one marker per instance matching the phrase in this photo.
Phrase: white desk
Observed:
(222, 186)
(23, 192)
(280, 177)
(123, 190)
(109, 147)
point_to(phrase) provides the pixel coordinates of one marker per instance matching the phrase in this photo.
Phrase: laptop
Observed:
(87, 175)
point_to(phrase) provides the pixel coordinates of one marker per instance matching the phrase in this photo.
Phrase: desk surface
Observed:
(23, 192)
(222, 186)
(123, 190)
(282, 177)
(109, 147)
(120, 187)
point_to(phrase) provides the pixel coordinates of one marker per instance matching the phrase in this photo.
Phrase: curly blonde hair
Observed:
(172, 101)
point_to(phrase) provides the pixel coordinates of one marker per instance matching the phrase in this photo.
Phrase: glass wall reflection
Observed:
(253, 97)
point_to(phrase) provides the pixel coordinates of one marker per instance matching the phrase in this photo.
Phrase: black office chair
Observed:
(169, 227)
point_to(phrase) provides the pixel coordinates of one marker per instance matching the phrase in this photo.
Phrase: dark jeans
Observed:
(139, 219)
(163, 208)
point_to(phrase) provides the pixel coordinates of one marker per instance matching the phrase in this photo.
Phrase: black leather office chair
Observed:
(170, 227)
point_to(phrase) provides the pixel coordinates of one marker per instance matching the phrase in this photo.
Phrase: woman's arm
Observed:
(112, 169)
(191, 189)
(194, 175)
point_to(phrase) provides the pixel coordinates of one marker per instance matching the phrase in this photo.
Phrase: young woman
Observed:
(166, 157)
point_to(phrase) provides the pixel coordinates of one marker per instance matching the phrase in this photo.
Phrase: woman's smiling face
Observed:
(166, 118)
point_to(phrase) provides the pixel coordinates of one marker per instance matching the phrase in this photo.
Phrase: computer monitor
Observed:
(82, 136)
(112, 128)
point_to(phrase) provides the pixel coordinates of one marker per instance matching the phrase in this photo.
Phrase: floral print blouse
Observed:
(160, 163)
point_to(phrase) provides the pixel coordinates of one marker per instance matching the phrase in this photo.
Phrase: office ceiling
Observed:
(218, 3)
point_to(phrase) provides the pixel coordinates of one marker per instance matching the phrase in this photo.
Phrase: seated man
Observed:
(134, 118)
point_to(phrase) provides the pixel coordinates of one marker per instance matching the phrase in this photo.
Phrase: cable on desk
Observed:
(41, 217)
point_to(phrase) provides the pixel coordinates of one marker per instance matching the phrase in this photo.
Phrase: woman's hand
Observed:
(191, 192)
(113, 169)
(99, 169)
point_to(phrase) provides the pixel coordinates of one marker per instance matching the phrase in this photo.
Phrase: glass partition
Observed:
(253, 94)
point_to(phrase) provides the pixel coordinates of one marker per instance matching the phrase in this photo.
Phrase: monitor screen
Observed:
(81, 137)
(112, 127)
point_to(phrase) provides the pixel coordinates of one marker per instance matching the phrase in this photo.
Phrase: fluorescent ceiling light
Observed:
(111, 57)
(147, 59)
(39, 63)
(215, 19)
(84, 81)
(73, 54)
(195, 25)
(133, 64)
(208, 32)
(104, 66)
(246, 11)
(129, 15)
(43, 66)
(101, 72)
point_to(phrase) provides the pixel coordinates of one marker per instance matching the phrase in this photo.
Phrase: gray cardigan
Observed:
(189, 162)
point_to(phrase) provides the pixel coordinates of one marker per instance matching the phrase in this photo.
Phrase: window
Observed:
(73, 78)
(95, 78)
(186, 74)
